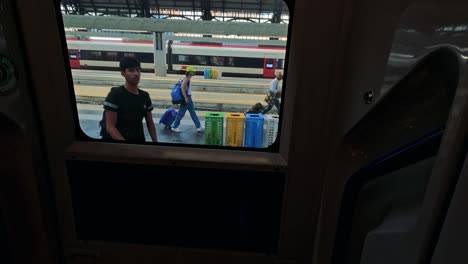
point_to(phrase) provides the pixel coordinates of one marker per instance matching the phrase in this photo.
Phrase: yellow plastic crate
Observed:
(235, 129)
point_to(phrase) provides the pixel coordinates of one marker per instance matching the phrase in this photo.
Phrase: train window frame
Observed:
(181, 59)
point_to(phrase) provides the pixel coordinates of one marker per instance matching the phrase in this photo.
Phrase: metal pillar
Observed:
(206, 14)
(159, 54)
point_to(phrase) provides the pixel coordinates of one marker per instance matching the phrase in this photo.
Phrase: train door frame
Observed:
(74, 62)
(267, 71)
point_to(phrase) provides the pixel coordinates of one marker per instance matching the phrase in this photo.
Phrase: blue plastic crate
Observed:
(253, 130)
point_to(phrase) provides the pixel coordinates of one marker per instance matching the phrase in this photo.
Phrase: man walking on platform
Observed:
(272, 98)
(125, 107)
(188, 103)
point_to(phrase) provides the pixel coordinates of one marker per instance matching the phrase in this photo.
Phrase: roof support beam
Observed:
(149, 38)
(145, 8)
(94, 7)
(193, 9)
(178, 26)
(206, 11)
(129, 8)
(276, 18)
(158, 8)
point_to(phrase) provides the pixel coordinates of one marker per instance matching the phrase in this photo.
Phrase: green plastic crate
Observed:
(214, 126)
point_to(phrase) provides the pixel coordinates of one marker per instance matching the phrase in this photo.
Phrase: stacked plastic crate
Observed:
(214, 128)
(271, 129)
(235, 129)
(253, 130)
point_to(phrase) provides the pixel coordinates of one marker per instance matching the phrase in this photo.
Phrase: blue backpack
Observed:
(176, 93)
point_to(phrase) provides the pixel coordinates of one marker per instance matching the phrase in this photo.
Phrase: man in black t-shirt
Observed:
(125, 107)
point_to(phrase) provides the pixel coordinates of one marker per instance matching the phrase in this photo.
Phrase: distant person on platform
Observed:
(188, 104)
(274, 94)
(125, 107)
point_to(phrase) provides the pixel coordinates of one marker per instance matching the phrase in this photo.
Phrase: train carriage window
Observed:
(145, 57)
(129, 54)
(233, 58)
(73, 54)
(111, 56)
(249, 62)
(280, 64)
(94, 55)
(84, 54)
(201, 60)
(269, 64)
(183, 58)
(217, 60)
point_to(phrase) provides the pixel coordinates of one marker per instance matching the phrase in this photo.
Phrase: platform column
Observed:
(159, 54)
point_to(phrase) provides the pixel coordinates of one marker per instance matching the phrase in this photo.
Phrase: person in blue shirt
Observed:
(187, 104)
(274, 94)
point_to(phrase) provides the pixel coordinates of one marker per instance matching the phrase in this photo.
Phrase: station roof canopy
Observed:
(150, 8)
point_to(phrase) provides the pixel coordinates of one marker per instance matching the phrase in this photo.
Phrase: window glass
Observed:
(95, 55)
(145, 57)
(249, 62)
(216, 114)
(112, 56)
(200, 60)
(73, 54)
(412, 41)
(217, 61)
(183, 58)
(280, 64)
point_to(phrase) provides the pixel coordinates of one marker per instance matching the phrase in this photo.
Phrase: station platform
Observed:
(149, 80)
(90, 115)
(229, 94)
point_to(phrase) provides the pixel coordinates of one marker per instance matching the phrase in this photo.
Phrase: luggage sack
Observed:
(168, 117)
(256, 108)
